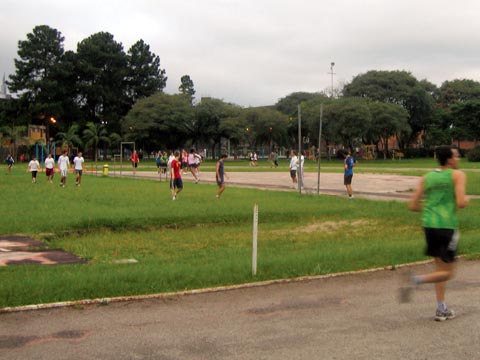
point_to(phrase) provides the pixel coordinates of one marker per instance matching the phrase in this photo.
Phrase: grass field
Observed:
(196, 241)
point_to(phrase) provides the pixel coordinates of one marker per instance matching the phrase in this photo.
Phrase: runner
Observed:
(176, 183)
(220, 175)
(443, 191)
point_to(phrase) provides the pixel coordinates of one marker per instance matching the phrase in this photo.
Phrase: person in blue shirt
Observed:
(348, 165)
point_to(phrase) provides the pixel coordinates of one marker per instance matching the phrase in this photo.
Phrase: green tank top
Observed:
(439, 210)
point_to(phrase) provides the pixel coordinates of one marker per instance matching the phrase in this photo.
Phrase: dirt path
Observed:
(380, 186)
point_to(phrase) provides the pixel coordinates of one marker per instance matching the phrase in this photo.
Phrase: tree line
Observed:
(100, 95)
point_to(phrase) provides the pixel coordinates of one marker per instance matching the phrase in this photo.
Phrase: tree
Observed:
(186, 87)
(93, 135)
(288, 105)
(102, 70)
(145, 77)
(388, 120)
(160, 121)
(37, 73)
(13, 136)
(265, 127)
(350, 118)
(467, 120)
(451, 92)
(397, 87)
(209, 114)
(70, 138)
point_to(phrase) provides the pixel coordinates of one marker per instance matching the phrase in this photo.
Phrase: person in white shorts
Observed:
(63, 164)
(78, 165)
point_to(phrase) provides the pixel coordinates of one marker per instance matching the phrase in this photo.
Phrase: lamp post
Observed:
(332, 64)
(52, 121)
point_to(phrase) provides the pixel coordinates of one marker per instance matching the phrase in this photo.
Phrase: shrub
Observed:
(474, 154)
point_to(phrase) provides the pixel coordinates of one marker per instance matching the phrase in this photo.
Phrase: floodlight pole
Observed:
(332, 64)
(299, 167)
(319, 148)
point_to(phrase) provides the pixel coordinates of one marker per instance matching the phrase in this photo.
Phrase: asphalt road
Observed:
(345, 317)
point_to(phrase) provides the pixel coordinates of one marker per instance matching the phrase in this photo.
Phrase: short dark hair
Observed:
(444, 153)
(223, 156)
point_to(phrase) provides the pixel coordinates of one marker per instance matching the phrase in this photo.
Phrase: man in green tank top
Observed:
(438, 196)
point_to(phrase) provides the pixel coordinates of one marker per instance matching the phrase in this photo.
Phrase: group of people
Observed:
(176, 181)
(63, 166)
(188, 162)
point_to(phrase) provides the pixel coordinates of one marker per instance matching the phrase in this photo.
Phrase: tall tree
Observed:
(102, 70)
(145, 77)
(36, 75)
(186, 87)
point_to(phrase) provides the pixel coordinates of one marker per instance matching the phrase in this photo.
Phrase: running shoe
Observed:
(444, 315)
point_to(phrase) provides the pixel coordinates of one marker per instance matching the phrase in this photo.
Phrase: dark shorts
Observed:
(49, 172)
(79, 172)
(293, 174)
(34, 174)
(442, 243)
(193, 166)
(176, 183)
(347, 179)
(220, 180)
(134, 164)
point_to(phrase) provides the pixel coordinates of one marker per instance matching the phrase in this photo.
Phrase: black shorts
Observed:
(442, 243)
(293, 174)
(176, 183)
(347, 179)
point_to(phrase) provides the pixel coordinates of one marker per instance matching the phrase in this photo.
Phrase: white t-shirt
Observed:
(293, 162)
(78, 161)
(34, 165)
(49, 163)
(63, 162)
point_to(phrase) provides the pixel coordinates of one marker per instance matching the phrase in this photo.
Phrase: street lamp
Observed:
(52, 121)
(332, 64)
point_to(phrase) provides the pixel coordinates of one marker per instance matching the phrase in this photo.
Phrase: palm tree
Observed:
(70, 138)
(95, 134)
(13, 135)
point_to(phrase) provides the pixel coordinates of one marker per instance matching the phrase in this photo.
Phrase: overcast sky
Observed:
(254, 52)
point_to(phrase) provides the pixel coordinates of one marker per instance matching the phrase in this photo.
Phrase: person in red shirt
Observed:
(176, 182)
(135, 159)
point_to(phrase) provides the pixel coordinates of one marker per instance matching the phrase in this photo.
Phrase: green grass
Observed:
(196, 241)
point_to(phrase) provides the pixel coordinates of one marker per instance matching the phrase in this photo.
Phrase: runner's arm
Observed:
(415, 201)
(460, 182)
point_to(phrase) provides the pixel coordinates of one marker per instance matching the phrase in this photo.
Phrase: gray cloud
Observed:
(253, 52)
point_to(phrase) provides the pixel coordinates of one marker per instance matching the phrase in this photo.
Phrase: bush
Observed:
(474, 154)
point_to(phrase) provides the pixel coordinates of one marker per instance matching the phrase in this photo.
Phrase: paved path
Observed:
(345, 317)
